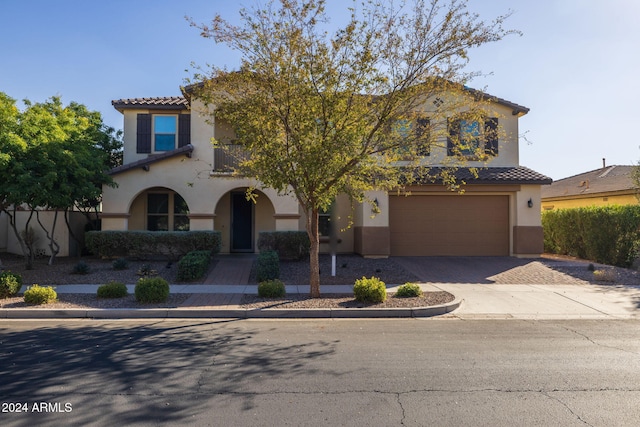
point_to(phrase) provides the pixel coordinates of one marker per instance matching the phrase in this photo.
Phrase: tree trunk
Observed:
(314, 251)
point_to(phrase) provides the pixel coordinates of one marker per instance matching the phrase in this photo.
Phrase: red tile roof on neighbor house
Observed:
(604, 180)
(162, 103)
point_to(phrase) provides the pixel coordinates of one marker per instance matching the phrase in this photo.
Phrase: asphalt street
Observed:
(385, 372)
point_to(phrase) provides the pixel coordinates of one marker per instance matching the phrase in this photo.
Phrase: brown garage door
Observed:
(453, 225)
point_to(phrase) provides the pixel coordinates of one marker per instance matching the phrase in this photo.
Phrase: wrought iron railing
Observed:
(227, 158)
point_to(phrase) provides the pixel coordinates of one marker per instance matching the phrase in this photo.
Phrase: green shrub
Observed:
(152, 289)
(409, 290)
(193, 265)
(268, 266)
(290, 245)
(10, 284)
(169, 244)
(37, 295)
(370, 290)
(112, 289)
(271, 289)
(604, 234)
(120, 264)
(80, 268)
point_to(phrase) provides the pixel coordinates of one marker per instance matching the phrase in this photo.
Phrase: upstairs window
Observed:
(164, 132)
(416, 136)
(473, 139)
(160, 132)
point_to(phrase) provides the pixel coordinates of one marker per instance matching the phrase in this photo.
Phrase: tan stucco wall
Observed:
(602, 199)
(508, 149)
(68, 247)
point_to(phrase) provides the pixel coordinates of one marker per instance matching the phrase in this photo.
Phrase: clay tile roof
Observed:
(165, 102)
(494, 175)
(153, 158)
(603, 180)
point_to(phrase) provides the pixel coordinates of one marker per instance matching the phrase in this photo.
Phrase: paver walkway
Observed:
(230, 270)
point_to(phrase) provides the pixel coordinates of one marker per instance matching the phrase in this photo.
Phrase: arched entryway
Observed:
(240, 219)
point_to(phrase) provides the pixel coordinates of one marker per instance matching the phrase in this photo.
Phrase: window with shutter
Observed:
(184, 130)
(143, 136)
(471, 138)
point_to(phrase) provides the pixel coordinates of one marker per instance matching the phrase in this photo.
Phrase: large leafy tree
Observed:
(323, 114)
(57, 159)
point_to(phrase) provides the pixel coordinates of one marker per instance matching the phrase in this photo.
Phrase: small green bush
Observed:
(409, 290)
(10, 284)
(193, 265)
(370, 290)
(120, 264)
(268, 267)
(37, 295)
(112, 289)
(271, 289)
(80, 268)
(151, 289)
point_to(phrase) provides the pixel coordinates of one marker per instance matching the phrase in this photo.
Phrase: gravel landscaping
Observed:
(548, 270)
(349, 268)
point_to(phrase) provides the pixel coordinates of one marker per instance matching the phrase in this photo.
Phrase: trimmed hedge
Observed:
(604, 234)
(169, 244)
(268, 266)
(290, 245)
(193, 265)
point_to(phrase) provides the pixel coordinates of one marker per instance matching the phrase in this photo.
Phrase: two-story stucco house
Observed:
(173, 178)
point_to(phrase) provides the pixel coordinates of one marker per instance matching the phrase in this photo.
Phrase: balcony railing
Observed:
(227, 158)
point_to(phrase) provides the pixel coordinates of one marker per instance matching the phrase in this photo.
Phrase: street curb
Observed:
(241, 313)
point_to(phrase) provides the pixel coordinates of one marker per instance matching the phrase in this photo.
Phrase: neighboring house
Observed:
(610, 185)
(173, 178)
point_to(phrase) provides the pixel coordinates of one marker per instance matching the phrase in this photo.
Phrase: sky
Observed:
(575, 66)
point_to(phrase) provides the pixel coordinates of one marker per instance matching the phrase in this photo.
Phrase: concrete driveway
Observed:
(505, 287)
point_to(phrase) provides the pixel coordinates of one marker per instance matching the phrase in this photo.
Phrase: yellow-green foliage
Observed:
(10, 284)
(36, 295)
(370, 290)
(409, 290)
